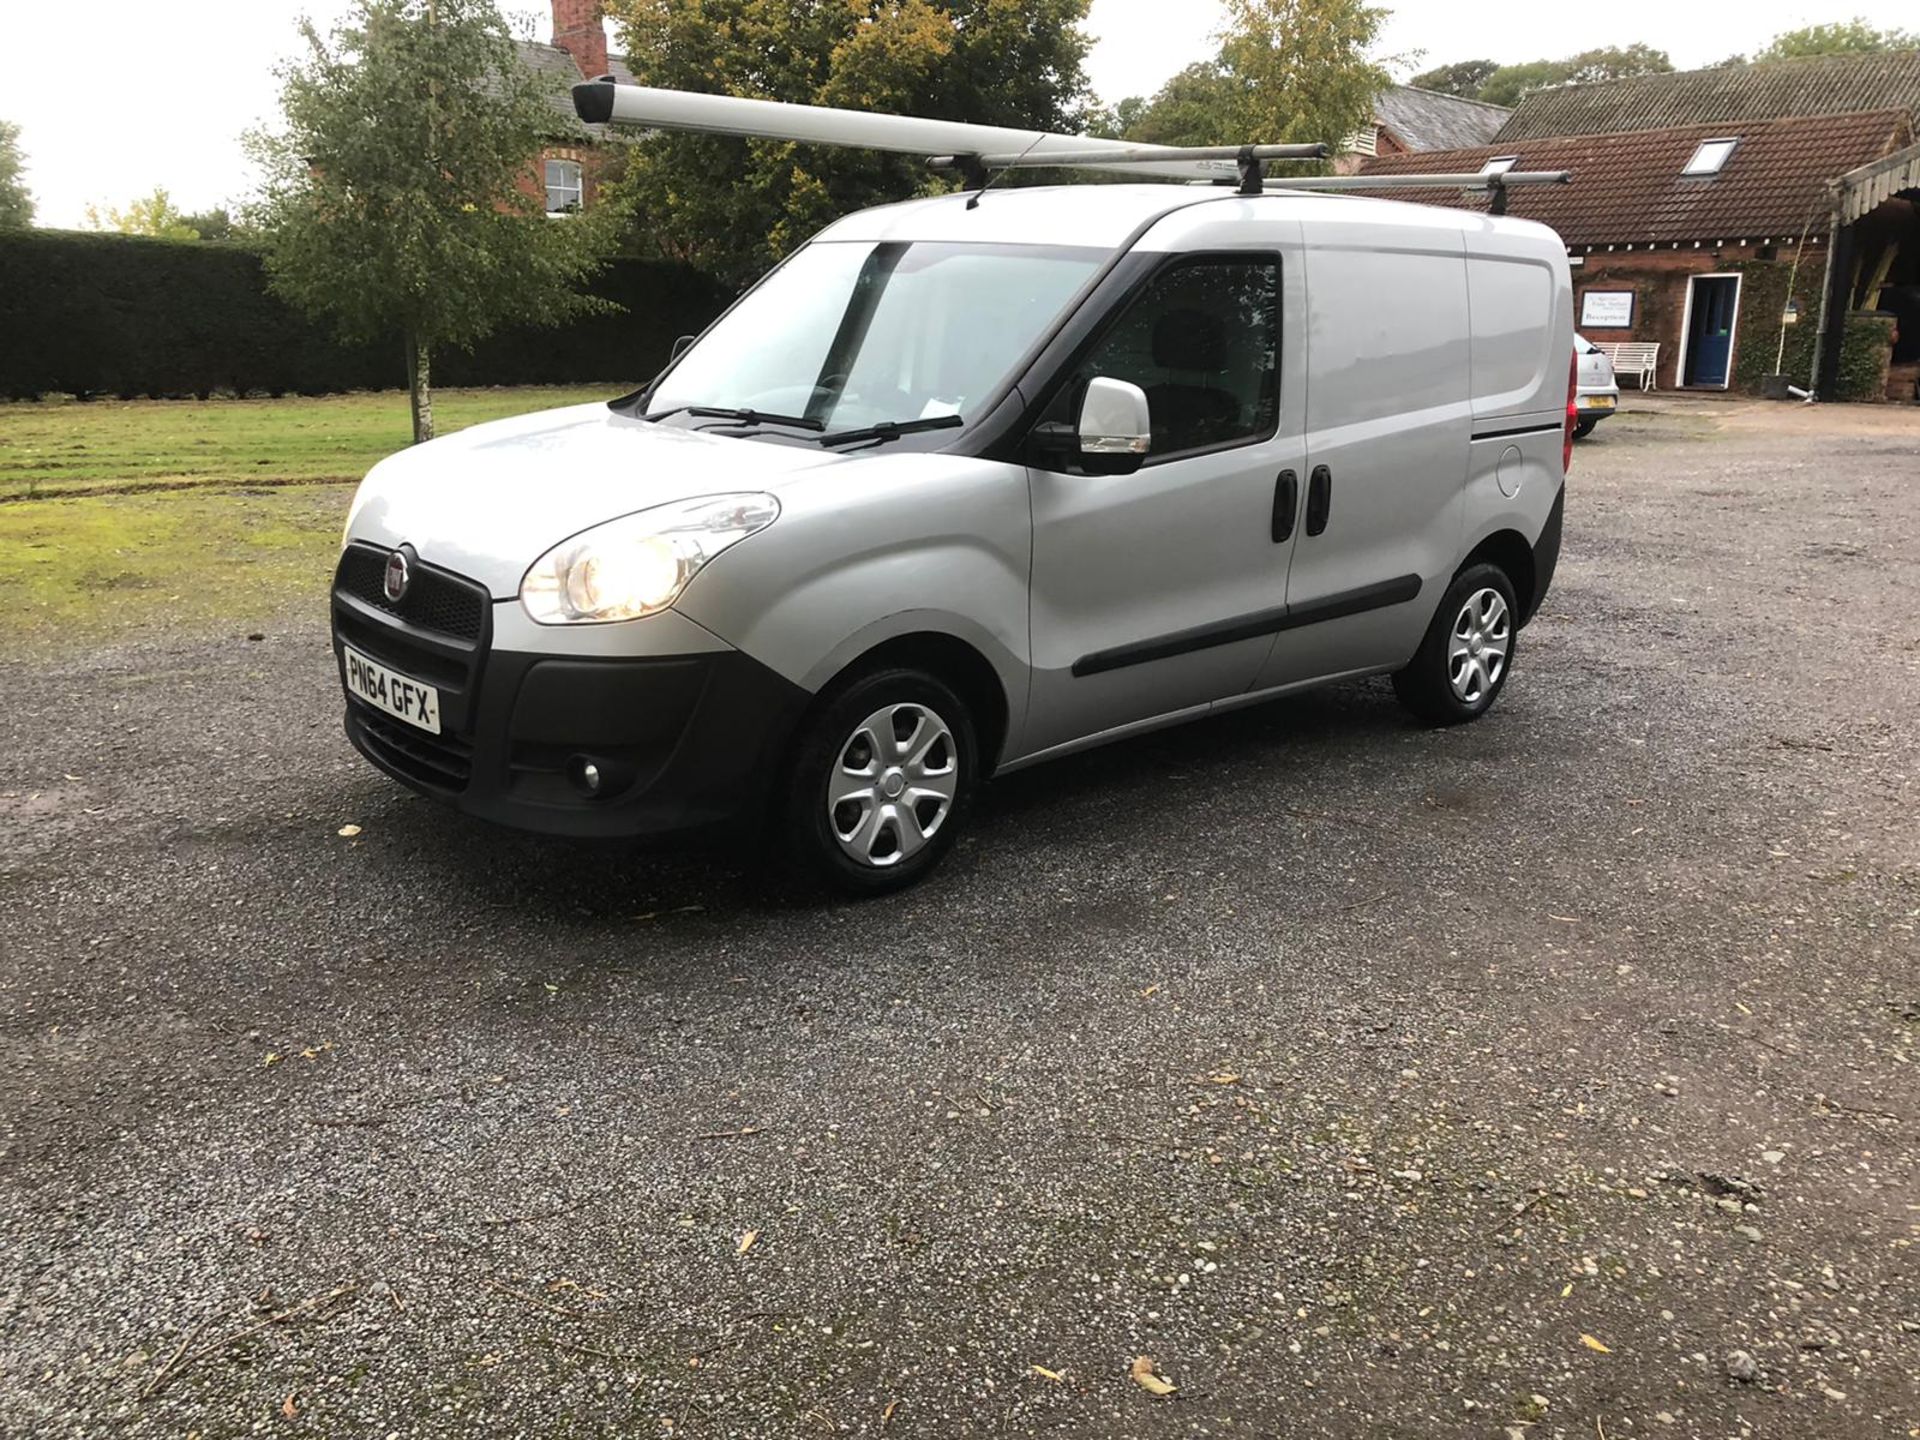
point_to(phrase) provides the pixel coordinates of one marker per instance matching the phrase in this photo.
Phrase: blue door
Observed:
(1710, 335)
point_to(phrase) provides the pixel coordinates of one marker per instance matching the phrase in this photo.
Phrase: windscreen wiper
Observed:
(745, 417)
(892, 429)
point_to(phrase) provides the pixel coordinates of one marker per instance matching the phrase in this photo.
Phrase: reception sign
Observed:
(1606, 310)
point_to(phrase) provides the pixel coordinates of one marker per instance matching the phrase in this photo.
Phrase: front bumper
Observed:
(681, 742)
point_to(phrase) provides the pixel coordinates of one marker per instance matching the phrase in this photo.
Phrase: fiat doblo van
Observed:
(965, 485)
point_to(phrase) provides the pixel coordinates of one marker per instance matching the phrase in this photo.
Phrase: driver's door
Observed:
(1158, 592)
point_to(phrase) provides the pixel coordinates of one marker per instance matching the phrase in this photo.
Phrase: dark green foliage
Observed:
(1463, 78)
(1511, 84)
(93, 314)
(732, 207)
(1842, 37)
(1763, 298)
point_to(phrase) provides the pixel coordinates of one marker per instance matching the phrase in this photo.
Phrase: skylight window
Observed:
(1499, 165)
(1711, 157)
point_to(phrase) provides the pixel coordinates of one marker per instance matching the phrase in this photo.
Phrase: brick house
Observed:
(576, 154)
(1750, 220)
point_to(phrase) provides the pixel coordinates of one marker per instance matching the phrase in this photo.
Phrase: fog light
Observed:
(584, 774)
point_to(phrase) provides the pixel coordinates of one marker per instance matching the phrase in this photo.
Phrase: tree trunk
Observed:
(420, 387)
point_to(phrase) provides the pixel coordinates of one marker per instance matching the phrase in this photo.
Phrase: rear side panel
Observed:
(1387, 425)
(1522, 310)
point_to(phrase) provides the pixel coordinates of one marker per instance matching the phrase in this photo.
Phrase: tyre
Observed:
(1463, 663)
(881, 783)
(1583, 428)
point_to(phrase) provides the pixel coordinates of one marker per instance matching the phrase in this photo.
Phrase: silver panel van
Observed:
(964, 485)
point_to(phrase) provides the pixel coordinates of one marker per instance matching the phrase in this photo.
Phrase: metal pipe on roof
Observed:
(604, 100)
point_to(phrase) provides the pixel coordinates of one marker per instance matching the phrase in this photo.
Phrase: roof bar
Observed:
(1472, 181)
(605, 101)
(1496, 184)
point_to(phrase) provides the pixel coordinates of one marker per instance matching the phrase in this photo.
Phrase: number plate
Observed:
(388, 690)
(1596, 402)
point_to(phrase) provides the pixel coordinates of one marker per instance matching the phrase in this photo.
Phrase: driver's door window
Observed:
(1203, 343)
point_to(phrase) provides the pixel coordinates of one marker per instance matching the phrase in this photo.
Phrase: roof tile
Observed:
(1824, 85)
(1628, 190)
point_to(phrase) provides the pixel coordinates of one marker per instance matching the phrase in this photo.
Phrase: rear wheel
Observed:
(1462, 664)
(1583, 428)
(882, 782)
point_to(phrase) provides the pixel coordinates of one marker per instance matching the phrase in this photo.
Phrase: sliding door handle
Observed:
(1286, 504)
(1319, 499)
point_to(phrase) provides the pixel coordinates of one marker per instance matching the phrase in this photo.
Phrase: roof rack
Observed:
(976, 151)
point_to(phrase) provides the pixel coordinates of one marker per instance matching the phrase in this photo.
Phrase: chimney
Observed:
(580, 30)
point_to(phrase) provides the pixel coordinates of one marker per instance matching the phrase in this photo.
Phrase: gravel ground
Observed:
(1554, 1076)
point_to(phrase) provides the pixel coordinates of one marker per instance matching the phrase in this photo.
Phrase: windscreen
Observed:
(853, 333)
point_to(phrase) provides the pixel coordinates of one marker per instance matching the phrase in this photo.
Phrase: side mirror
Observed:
(1115, 430)
(680, 347)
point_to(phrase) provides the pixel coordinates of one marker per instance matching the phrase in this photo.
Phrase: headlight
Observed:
(638, 564)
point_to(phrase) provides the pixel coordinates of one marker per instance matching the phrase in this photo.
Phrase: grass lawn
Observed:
(136, 505)
(53, 447)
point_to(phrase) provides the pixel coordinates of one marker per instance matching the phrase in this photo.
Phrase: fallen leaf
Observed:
(1149, 992)
(1143, 1376)
(1595, 1345)
(1045, 1374)
(347, 831)
(746, 1241)
(887, 1414)
(1224, 1077)
(273, 1058)
(1567, 1291)
(287, 1407)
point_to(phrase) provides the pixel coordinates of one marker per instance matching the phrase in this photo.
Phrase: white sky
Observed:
(165, 98)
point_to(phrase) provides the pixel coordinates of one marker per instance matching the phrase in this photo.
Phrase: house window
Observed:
(1499, 165)
(565, 187)
(1710, 157)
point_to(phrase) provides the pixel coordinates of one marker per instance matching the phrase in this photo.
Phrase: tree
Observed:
(1193, 108)
(1287, 70)
(1616, 63)
(1841, 37)
(1463, 78)
(1511, 84)
(16, 203)
(733, 206)
(400, 197)
(153, 214)
(214, 224)
(1301, 70)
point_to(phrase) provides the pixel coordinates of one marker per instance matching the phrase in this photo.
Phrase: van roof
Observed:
(1109, 216)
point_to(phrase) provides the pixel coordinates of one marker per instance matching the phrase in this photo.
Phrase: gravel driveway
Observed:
(1555, 1076)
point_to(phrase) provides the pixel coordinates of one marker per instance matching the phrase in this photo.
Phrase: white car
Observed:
(1599, 393)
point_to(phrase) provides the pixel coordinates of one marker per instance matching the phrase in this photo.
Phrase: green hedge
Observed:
(1763, 298)
(121, 315)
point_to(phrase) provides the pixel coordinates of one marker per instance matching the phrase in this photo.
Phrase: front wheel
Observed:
(1463, 663)
(882, 782)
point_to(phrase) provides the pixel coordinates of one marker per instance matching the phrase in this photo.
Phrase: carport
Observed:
(1874, 265)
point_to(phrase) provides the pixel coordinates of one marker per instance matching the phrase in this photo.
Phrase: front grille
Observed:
(440, 762)
(436, 599)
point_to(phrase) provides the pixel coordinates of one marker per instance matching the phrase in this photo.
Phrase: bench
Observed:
(1632, 357)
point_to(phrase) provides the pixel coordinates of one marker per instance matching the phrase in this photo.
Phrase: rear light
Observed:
(1573, 414)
